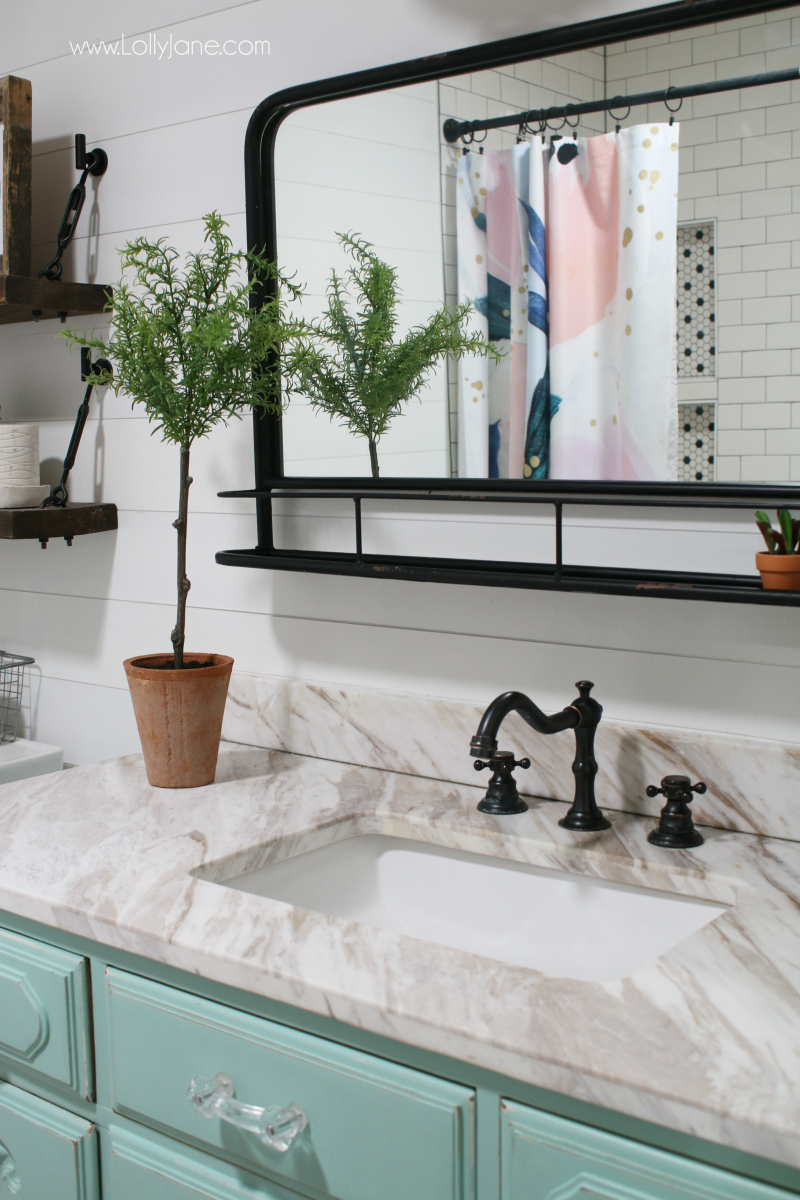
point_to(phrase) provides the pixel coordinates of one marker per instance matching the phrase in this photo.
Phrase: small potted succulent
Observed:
(186, 344)
(780, 565)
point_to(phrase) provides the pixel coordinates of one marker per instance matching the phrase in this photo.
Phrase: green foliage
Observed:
(349, 365)
(186, 344)
(184, 341)
(785, 539)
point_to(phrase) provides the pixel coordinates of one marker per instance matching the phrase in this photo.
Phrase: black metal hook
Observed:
(94, 163)
(672, 111)
(567, 115)
(469, 139)
(618, 120)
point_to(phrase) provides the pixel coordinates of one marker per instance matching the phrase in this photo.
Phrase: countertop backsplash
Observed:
(753, 784)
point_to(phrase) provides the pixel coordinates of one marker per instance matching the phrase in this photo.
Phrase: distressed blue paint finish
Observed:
(54, 1153)
(142, 1170)
(547, 1158)
(376, 1129)
(44, 1011)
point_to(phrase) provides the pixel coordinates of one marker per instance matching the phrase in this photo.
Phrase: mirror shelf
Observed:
(557, 575)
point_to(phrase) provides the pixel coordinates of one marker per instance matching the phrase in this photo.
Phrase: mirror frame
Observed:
(260, 139)
(270, 480)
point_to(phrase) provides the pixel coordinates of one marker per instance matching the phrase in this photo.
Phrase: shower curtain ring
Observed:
(567, 115)
(618, 100)
(672, 111)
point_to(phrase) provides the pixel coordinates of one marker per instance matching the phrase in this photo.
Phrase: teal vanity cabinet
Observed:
(46, 1150)
(99, 1051)
(544, 1157)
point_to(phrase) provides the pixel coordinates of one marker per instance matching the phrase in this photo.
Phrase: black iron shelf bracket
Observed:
(94, 163)
(453, 129)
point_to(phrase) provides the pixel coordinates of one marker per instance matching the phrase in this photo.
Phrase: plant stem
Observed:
(373, 458)
(179, 632)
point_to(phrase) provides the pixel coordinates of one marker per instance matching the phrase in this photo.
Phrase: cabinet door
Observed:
(44, 1011)
(45, 1152)
(141, 1169)
(549, 1158)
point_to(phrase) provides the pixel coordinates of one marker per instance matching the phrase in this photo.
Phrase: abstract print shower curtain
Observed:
(569, 261)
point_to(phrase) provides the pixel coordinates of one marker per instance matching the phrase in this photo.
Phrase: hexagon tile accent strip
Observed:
(696, 306)
(696, 442)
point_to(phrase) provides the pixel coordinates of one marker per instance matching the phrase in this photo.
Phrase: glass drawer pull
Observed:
(8, 1172)
(277, 1127)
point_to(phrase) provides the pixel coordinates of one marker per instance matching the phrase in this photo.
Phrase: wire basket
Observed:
(12, 677)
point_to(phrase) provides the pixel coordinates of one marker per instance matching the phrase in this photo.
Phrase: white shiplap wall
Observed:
(174, 134)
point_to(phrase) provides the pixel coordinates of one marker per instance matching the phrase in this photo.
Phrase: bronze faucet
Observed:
(502, 797)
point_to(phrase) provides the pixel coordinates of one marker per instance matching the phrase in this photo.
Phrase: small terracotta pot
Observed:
(780, 572)
(179, 715)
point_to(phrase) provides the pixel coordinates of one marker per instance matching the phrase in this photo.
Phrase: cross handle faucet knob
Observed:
(672, 784)
(502, 798)
(675, 830)
(506, 759)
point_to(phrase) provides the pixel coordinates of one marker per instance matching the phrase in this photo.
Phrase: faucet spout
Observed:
(485, 740)
(583, 715)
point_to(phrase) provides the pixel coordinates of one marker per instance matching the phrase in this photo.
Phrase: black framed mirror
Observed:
(650, 362)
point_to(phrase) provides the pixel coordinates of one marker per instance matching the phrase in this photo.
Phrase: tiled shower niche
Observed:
(696, 442)
(696, 349)
(696, 305)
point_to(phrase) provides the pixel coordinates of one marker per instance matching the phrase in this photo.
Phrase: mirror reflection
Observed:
(625, 276)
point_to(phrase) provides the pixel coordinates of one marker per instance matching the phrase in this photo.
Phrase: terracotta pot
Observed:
(780, 572)
(179, 714)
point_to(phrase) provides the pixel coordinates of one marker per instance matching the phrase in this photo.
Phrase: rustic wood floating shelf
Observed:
(69, 522)
(23, 298)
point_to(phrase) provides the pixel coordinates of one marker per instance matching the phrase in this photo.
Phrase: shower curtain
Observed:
(569, 260)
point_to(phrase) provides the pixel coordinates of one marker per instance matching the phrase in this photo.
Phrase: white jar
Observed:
(19, 466)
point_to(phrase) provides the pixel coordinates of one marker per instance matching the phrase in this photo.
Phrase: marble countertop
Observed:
(705, 1040)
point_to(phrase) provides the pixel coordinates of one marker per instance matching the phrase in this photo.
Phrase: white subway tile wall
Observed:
(740, 164)
(739, 171)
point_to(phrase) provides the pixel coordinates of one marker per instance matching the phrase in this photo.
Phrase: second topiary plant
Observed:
(349, 365)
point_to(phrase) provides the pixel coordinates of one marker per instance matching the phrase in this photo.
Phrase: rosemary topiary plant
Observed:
(349, 365)
(185, 344)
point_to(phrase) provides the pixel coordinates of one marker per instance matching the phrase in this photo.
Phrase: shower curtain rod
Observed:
(453, 129)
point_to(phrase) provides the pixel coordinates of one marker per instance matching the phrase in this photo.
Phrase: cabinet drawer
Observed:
(375, 1129)
(45, 1152)
(44, 1011)
(140, 1169)
(550, 1158)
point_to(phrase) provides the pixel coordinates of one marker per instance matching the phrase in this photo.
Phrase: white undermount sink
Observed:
(564, 925)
